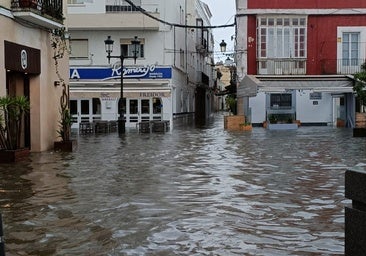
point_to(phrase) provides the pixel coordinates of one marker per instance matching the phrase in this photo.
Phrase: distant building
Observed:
(172, 77)
(28, 67)
(294, 59)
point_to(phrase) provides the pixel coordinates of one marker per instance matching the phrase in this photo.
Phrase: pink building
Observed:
(295, 59)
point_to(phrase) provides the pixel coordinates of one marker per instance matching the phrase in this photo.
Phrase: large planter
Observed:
(12, 156)
(65, 146)
(233, 123)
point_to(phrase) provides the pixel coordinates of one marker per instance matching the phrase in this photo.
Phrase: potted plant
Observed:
(65, 144)
(12, 112)
(60, 47)
(246, 126)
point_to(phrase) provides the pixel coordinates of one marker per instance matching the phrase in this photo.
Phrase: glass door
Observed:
(145, 110)
(138, 110)
(81, 111)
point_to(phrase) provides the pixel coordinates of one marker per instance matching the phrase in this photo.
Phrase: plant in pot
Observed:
(12, 112)
(59, 46)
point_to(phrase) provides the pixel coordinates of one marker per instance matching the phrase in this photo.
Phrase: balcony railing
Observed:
(282, 66)
(298, 66)
(50, 8)
(341, 66)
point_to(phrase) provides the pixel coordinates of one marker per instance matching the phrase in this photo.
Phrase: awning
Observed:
(278, 84)
(248, 87)
(113, 92)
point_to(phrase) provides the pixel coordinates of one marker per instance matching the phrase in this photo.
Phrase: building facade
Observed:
(295, 59)
(170, 78)
(27, 65)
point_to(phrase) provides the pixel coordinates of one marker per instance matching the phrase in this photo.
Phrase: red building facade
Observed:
(291, 39)
(321, 39)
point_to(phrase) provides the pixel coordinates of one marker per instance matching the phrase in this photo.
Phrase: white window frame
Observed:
(282, 44)
(281, 33)
(130, 48)
(354, 66)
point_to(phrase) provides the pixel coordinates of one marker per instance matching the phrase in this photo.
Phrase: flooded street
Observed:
(191, 191)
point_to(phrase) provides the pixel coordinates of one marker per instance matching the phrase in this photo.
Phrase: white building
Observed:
(169, 79)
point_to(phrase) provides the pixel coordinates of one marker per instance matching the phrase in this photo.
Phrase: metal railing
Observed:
(52, 8)
(341, 66)
(282, 66)
(299, 66)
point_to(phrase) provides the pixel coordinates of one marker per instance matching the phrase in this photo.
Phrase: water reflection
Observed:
(193, 191)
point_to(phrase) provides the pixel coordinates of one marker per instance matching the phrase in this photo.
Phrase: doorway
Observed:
(17, 84)
(84, 110)
(142, 110)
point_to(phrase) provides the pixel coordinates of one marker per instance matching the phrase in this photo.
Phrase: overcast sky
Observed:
(223, 12)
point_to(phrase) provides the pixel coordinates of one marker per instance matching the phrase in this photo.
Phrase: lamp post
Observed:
(109, 49)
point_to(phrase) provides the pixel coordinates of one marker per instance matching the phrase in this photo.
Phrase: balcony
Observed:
(281, 66)
(341, 66)
(112, 21)
(45, 13)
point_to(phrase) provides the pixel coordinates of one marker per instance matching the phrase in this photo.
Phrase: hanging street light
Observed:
(223, 46)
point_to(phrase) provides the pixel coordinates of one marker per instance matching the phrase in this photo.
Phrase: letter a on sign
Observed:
(75, 74)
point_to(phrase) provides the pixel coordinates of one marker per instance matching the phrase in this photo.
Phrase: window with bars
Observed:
(281, 100)
(121, 6)
(281, 37)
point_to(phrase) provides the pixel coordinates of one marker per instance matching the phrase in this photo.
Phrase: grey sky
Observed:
(223, 12)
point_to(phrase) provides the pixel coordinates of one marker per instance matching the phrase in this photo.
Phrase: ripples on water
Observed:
(192, 191)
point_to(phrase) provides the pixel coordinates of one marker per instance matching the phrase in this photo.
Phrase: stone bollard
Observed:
(2, 242)
(355, 216)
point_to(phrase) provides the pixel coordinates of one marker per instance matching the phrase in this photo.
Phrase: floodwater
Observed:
(191, 191)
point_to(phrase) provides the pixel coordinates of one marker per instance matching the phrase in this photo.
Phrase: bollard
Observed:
(2, 242)
(355, 216)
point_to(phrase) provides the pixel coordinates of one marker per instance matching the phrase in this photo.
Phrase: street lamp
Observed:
(223, 46)
(109, 49)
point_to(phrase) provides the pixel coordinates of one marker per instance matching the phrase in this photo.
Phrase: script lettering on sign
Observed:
(131, 72)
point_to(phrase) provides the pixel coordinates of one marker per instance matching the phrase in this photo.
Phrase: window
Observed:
(281, 100)
(182, 58)
(121, 6)
(281, 37)
(75, 1)
(129, 50)
(350, 48)
(79, 1)
(199, 35)
(79, 48)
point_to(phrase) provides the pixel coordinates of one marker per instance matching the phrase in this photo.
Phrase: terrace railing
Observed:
(48, 8)
(282, 66)
(341, 66)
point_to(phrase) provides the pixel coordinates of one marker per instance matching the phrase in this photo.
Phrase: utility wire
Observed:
(175, 24)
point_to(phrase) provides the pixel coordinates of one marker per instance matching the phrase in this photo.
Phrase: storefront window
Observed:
(157, 106)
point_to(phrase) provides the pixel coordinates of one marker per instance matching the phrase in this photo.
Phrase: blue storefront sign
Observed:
(105, 73)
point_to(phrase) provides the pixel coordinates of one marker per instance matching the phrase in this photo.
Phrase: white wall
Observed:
(258, 108)
(306, 112)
